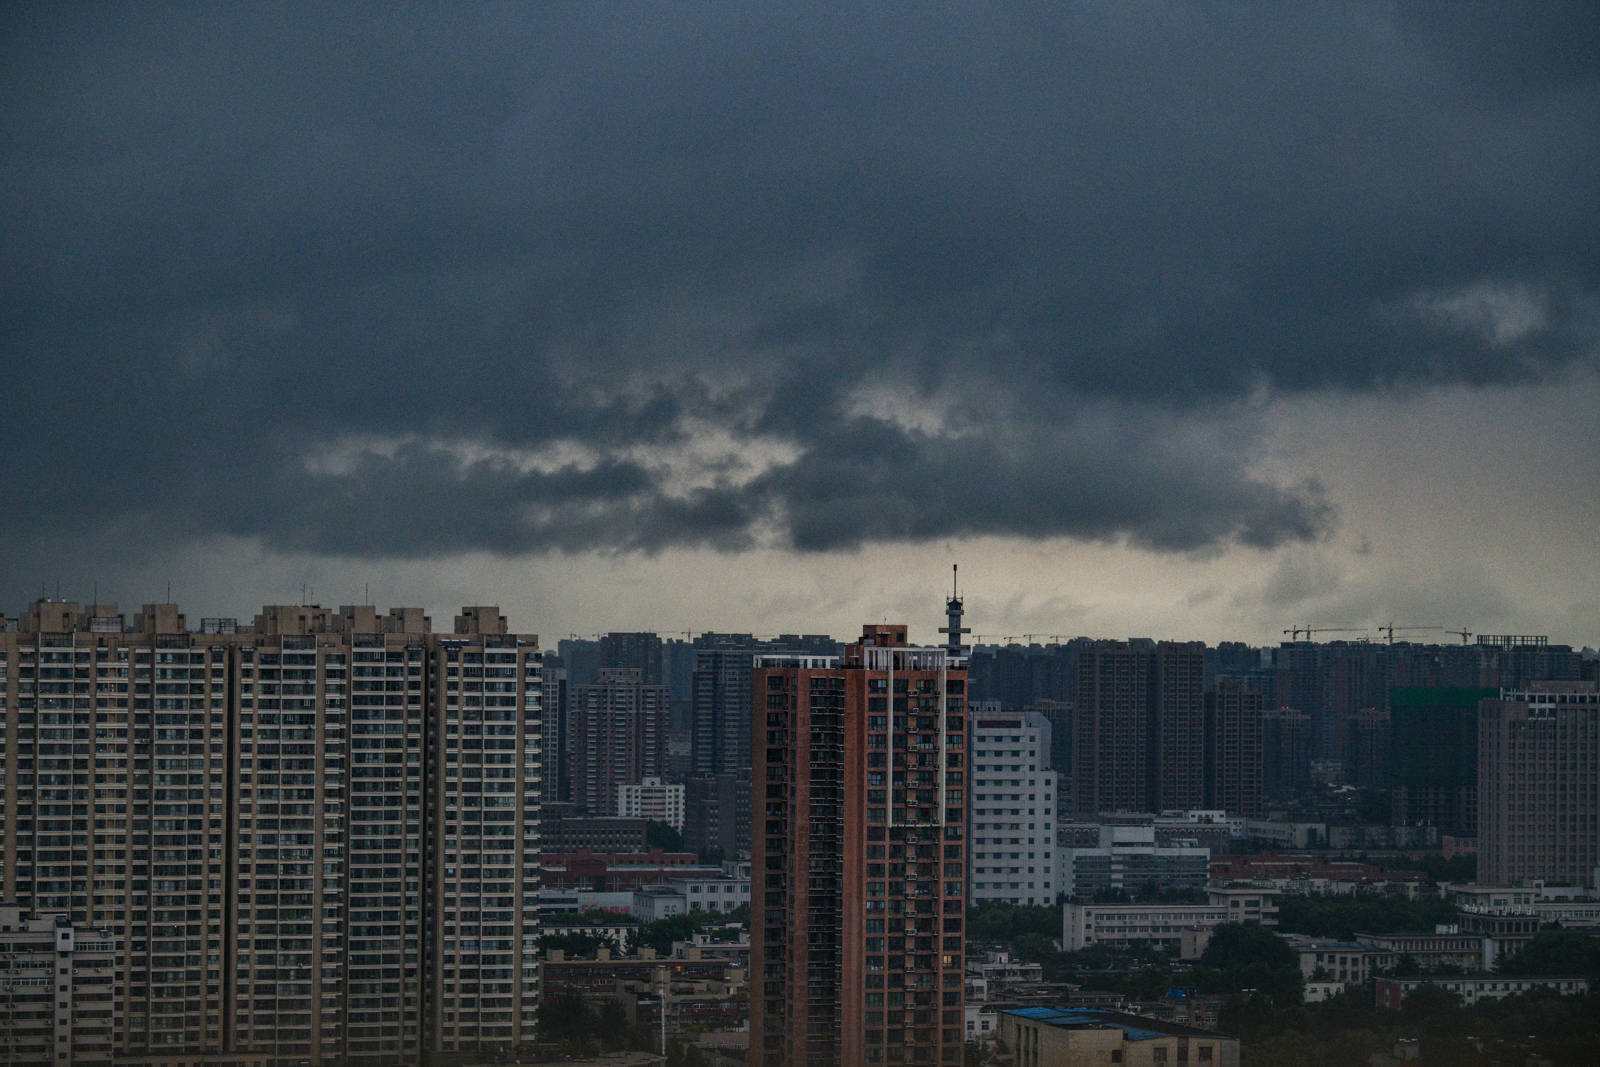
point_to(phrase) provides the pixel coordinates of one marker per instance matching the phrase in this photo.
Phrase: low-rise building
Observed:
(617, 872)
(1327, 959)
(58, 990)
(1181, 928)
(1446, 946)
(693, 1005)
(1042, 1037)
(571, 833)
(1392, 992)
(1128, 859)
(601, 974)
(1247, 902)
(717, 894)
(617, 929)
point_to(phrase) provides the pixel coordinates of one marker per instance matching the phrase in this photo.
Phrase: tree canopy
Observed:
(1556, 952)
(1251, 960)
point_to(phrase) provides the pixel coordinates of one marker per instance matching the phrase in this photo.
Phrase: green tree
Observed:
(1004, 923)
(577, 943)
(660, 934)
(662, 836)
(1556, 952)
(1251, 960)
(565, 1017)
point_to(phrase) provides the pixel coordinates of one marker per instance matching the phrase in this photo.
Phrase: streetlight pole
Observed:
(662, 1006)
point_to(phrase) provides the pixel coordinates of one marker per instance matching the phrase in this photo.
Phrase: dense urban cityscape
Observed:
(482, 488)
(344, 836)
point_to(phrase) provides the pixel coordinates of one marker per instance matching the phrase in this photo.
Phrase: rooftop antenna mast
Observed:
(954, 608)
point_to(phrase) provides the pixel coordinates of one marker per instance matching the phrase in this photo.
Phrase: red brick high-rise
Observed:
(858, 855)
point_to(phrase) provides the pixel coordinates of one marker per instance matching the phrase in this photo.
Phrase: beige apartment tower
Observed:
(114, 752)
(1539, 785)
(311, 839)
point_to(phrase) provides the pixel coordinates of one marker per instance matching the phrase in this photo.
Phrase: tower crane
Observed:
(1465, 635)
(1389, 629)
(1296, 631)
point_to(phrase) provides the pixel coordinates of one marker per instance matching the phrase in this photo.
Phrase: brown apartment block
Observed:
(313, 838)
(1234, 747)
(619, 728)
(1539, 785)
(858, 855)
(1139, 727)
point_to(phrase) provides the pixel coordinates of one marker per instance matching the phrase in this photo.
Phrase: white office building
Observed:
(1013, 815)
(652, 799)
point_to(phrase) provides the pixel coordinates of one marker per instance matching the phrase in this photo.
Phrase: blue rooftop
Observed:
(1067, 1018)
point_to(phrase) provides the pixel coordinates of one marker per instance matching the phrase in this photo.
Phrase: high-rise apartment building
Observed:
(1539, 785)
(1178, 778)
(1013, 808)
(1111, 729)
(858, 855)
(720, 705)
(1233, 738)
(313, 838)
(717, 814)
(1285, 753)
(557, 759)
(1433, 757)
(484, 761)
(1139, 726)
(619, 735)
(640, 652)
(114, 747)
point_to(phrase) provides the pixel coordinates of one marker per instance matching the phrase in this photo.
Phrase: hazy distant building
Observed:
(717, 814)
(635, 652)
(720, 705)
(1433, 757)
(1285, 753)
(1178, 777)
(1139, 727)
(619, 728)
(1367, 748)
(1111, 727)
(1233, 743)
(1539, 785)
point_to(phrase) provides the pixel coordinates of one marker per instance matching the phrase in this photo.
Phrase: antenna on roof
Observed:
(952, 629)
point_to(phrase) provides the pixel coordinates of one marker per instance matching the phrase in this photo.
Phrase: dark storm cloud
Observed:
(235, 238)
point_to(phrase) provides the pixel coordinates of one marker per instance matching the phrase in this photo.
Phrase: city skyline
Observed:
(1172, 320)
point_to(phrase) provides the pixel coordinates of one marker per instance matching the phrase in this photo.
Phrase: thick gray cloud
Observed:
(403, 284)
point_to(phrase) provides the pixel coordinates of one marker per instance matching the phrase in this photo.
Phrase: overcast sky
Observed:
(1160, 319)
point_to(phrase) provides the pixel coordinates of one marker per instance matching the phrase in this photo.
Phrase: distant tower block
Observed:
(952, 629)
